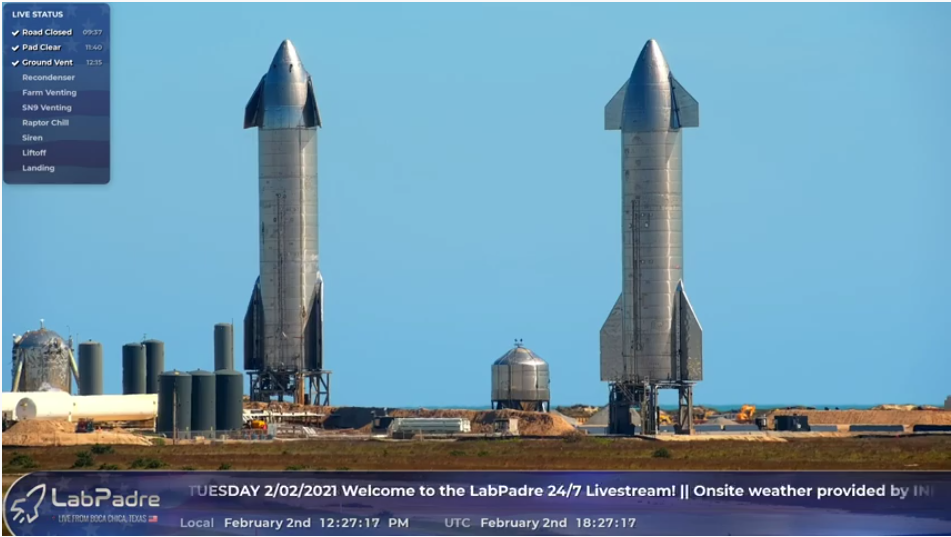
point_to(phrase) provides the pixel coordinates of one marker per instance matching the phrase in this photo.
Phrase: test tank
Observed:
(521, 380)
(44, 361)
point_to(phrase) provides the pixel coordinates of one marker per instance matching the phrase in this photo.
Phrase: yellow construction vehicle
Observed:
(746, 414)
(666, 420)
(256, 425)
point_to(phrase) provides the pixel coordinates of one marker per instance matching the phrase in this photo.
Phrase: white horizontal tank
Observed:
(63, 406)
(116, 407)
(432, 425)
(37, 408)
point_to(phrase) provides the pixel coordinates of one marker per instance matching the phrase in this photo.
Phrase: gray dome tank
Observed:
(521, 380)
(46, 359)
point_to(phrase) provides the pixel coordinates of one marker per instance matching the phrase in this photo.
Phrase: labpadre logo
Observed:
(27, 509)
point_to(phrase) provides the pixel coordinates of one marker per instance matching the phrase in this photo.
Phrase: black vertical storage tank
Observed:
(230, 400)
(174, 404)
(154, 363)
(133, 368)
(203, 403)
(90, 368)
(224, 346)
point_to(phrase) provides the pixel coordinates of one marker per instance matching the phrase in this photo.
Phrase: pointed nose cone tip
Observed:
(651, 64)
(286, 53)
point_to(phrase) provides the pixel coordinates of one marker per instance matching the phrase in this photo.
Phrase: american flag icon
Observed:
(153, 519)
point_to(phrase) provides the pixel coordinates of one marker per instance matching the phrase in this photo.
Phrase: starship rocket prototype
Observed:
(652, 338)
(283, 328)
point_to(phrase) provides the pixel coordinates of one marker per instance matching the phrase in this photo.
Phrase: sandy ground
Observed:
(63, 433)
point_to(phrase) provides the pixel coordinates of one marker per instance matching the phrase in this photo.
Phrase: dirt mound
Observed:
(870, 417)
(578, 411)
(905, 407)
(529, 423)
(63, 433)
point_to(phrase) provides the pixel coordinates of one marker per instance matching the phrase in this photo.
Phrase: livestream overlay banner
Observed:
(480, 503)
(56, 93)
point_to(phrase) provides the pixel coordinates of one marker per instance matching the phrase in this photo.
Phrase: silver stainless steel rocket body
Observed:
(652, 338)
(284, 324)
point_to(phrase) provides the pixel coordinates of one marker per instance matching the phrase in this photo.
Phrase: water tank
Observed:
(46, 361)
(230, 400)
(174, 404)
(521, 380)
(154, 363)
(133, 368)
(90, 368)
(224, 346)
(203, 403)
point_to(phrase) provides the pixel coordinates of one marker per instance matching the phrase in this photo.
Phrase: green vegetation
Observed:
(662, 453)
(147, 464)
(84, 460)
(100, 449)
(21, 461)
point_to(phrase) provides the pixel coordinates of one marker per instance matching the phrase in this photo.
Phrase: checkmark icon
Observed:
(16, 63)
(16, 48)
(16, 33)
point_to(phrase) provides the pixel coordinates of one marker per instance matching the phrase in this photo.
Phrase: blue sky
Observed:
(469, 194)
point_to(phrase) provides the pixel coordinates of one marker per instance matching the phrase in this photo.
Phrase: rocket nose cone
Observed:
(651, 65)
(286, 53)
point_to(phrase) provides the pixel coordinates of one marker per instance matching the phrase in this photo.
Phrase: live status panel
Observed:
(56, 91)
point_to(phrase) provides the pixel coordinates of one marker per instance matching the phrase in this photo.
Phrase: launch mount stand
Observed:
(305, 387)
(642, 398)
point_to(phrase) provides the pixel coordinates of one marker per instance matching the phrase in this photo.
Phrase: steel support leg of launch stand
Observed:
(685, 404)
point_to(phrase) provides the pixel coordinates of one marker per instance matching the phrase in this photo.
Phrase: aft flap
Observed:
(612, 359)
(614, 109)
(687, 108)
(691, 339)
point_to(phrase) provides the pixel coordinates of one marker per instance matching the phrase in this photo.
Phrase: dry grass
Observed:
(569, 453)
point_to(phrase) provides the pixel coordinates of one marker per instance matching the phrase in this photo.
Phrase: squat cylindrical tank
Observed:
(90, 368)
(203, 403)
(230, 400)
(133, 368)
(174, 404)
(224, 346)
(521, 379)
(46, 361)
(154, 363)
